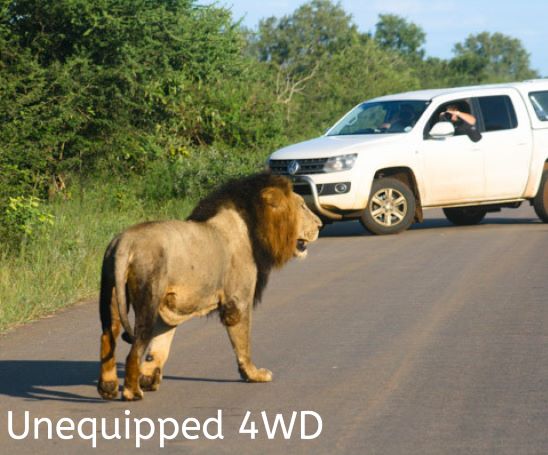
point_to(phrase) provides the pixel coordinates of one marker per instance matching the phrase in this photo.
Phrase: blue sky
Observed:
(445, 22)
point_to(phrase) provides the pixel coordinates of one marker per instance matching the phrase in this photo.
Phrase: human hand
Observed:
(449, 115)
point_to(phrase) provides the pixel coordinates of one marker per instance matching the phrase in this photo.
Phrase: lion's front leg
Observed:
(152, 366)
(238, 325)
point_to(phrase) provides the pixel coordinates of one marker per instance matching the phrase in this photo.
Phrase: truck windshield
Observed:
(380, 117)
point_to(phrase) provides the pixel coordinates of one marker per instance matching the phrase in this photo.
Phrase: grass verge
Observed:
(62, 264)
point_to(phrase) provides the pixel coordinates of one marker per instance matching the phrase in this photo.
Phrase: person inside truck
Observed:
(463, 121)
(403, 118)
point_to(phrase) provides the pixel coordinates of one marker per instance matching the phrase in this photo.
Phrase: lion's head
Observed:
(286, 224)
(279, 222)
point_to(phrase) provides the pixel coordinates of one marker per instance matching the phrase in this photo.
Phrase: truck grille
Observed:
(306, 166)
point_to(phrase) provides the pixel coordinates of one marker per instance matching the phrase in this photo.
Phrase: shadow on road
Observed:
(50, 379)
(353, 228)
(39, 379)
(193, 379)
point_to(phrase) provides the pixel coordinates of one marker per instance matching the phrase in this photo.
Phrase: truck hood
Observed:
(326, 146)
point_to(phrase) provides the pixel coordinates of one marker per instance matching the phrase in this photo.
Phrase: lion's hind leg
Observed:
(143, 334)
(132, 391)
(238, 326)
(107, 386)
(153, 365)
(145, 310)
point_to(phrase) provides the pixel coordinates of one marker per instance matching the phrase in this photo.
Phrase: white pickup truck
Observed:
(391, 157)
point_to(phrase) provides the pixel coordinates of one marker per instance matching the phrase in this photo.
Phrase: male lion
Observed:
(171, 271)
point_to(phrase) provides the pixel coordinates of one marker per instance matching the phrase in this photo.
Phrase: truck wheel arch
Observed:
(407, 177)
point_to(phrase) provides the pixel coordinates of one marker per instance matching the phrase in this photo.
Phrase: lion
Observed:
(219, 259)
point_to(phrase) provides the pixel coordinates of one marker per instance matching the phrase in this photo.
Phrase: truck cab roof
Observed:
(523, 87)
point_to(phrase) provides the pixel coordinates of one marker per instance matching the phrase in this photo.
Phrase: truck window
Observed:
(498, 113)
(462, 104)
(380, 117)
(539, 100)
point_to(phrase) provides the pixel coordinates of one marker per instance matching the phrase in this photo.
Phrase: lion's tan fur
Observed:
(171, 271)
(279, 223)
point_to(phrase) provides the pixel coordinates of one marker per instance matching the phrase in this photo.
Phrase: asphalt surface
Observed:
(434, 341)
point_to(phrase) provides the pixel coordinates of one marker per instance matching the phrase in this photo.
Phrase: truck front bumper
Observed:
(315, 199)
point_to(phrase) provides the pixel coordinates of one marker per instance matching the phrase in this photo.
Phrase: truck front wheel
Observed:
(391, 207)
(540, 202)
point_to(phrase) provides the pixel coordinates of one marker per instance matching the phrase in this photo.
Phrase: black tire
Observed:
(540, 202)
(390, 209)
(465, 216)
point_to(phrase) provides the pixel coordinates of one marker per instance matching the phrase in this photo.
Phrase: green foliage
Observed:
(397, 34)
(433, 72)
(315, 30)
(24, 219)
(110, 82)
(297, 48)
(193, 174)
(491, 57)
(236, 112)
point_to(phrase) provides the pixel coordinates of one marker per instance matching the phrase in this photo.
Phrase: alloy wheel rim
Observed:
(388, 207)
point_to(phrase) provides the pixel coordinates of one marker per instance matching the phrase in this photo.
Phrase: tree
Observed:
(434, 72)
(397, 34)
(296, 44)
(315, 29)
(491, 57)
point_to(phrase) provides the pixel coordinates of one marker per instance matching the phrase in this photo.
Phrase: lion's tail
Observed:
(105, 296)
(121, 263)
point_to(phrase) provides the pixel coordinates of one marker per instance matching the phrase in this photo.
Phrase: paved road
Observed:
(434, 341)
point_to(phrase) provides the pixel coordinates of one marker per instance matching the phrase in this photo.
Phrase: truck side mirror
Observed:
(441, 130)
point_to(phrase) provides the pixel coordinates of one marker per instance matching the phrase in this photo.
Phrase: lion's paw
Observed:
(151, 383)
(264, 375)
(258, 375)
(132, 395)
(108, 389)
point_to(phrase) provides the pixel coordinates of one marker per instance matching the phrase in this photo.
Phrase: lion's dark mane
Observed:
(244, 195)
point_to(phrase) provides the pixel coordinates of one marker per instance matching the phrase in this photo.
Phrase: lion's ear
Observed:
(272, 196)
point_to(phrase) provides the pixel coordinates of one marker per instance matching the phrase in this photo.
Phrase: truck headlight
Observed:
(340, 163)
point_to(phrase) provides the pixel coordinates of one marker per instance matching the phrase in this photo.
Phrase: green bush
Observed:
(193, 173)
(115, 84)
(24, 219)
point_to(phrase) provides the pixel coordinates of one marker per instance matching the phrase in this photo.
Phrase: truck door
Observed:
(506, 145)
(452, 168)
